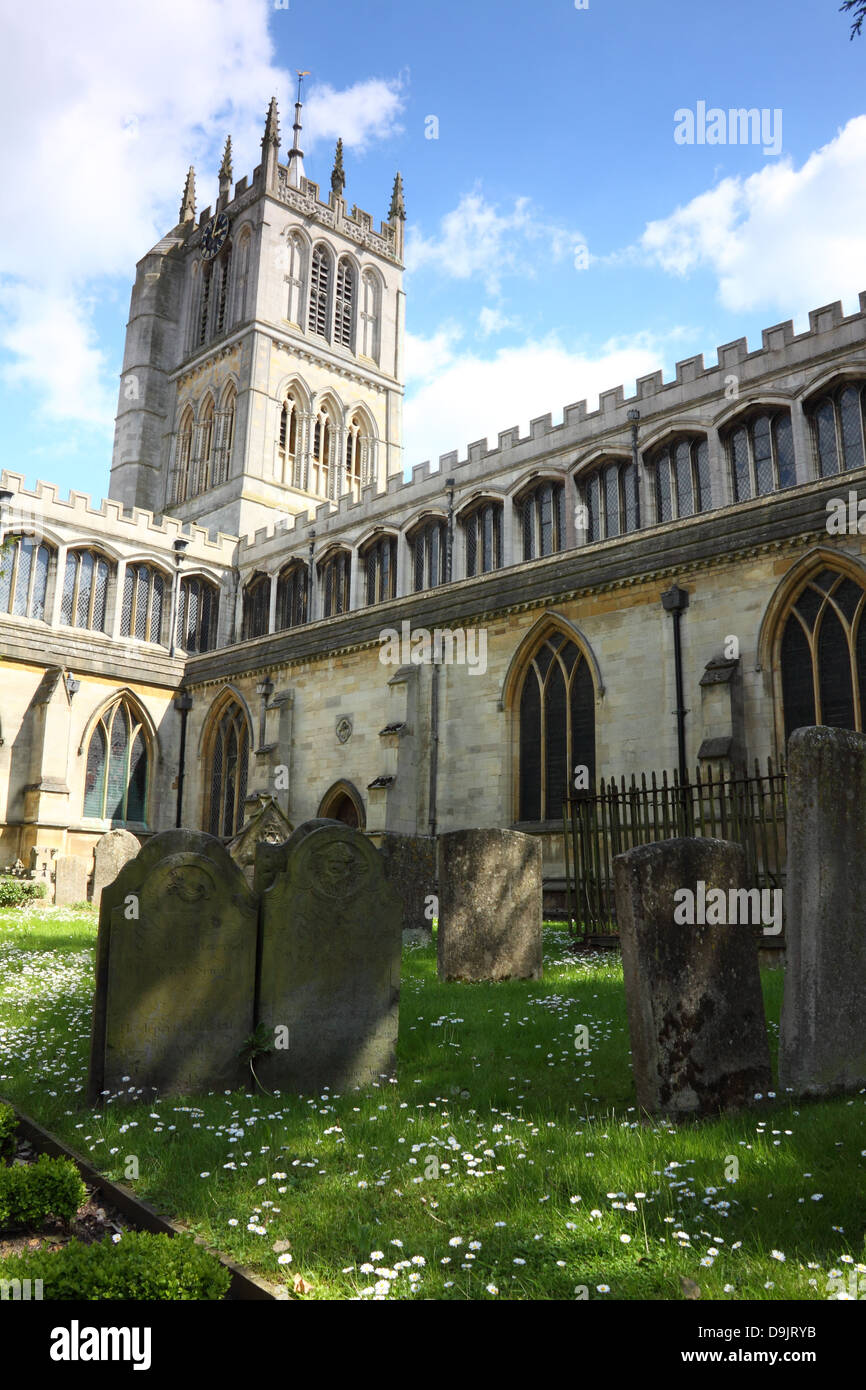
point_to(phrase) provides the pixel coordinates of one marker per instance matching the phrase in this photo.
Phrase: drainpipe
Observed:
(634, 417)
(449, 536)
(182, 703)
(675, 601)
(311, 577)
(434, 741)
(180, 546)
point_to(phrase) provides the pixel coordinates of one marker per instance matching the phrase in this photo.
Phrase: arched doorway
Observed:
(343, 802)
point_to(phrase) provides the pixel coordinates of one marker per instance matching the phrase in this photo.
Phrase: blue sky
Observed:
(555, 132)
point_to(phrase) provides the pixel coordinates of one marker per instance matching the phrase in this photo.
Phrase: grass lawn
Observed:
(503, 1163)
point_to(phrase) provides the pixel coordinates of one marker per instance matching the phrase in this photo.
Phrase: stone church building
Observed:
(266, 606)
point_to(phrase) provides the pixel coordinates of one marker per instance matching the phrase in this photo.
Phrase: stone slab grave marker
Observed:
(822, 1042)
(112, 850)
(70, 880)
(175, 970)
(331, 943)
(693, 990)
(489, 906)
(410, 866)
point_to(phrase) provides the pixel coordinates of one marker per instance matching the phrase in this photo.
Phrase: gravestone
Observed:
(41, 861)
(175, 970)
(489, 906)
(410, 866)
(267, 826)
(113, 849)
(822, 1043)
(693, 989)
(70, 880)
(330, 960)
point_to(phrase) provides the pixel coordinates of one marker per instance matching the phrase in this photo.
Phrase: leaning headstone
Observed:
(112, 850)
(410, 865)
(70, 880)
(822, 1042)
(175, 970)
(692, 985)
(329, 983)
(489, 905)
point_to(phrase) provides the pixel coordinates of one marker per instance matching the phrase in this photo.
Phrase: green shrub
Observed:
(139, 1266)
(8, 1126)
(14, 892)
(31, 1192)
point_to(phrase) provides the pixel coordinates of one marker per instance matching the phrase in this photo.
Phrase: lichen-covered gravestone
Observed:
(113, 849)
(410, 866)
(329, 985)
(489, 905)
(822, 1043)
(175, 970)
(693, 989)
(70, 880)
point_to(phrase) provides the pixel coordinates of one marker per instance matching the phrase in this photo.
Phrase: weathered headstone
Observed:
(175, 970)
(822, 1043)
(112, 850)
(329, 983)
(693, 989)
(70, 880)
(489, 905)
(410, 866)
(267, 826)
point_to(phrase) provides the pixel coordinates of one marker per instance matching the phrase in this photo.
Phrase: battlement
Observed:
(696, 390)
(110, 521)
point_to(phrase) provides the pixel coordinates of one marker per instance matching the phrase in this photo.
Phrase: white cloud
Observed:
(109, 104)
(475, 239)
(783, 237)
(457, 397)
(492, 321)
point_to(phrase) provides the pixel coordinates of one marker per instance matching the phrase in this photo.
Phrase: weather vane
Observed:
(301, 76)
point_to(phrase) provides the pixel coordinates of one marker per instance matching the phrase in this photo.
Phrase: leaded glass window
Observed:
(229, 764)
(85, 590)
(838, 425)
(197, 615)
(116, 770)
(556, 712)
(761, 454)
(823, 655)
(144, 591)
(24, 566)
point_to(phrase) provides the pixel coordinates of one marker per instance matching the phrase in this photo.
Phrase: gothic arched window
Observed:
(344, 306)
(257, 605)
(334, 578)
(115, 779)
(823, 655)
(320, 286)
(428, 543)
(197, 615)
(292, 589)
(85, 590)
(323, 445)
(224, 436)
(482, 526)
(242, 275)
(227, 765)
(295, 279)
(371, 299)
(838, 426)
(681, 474)
(359, 455)
(556, 710)
(143, 601)
(202, 461)
(183, 457)
(611, 504)
(24, 566)
(761, 453)
(380, 569)
(542, 520)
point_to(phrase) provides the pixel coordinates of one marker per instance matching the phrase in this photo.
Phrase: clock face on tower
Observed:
(214, 235)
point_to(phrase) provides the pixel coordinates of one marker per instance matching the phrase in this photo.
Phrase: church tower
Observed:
(263, 369)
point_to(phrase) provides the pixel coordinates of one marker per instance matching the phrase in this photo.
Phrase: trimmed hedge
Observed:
(30, 1192)
(14, 892)
(139, 1266)
(8, 1126)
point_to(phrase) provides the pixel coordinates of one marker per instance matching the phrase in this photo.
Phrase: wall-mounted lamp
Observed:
(265, 687)
(72, 685)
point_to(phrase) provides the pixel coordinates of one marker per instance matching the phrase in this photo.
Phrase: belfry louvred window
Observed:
(320, 280)
(344, 308)
(116, 771)
(556, 713)
(823, 655)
